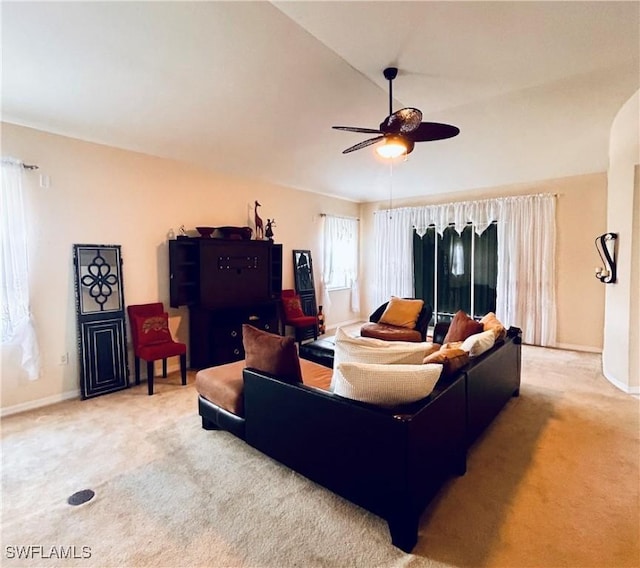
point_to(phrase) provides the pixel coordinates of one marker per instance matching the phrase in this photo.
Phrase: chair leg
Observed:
(164, 368)
(136, 366)
(183, 368)
(150, 376)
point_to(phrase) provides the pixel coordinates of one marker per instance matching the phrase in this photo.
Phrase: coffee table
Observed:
(319, 351)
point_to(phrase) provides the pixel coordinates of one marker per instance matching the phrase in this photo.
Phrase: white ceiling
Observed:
(253, 88)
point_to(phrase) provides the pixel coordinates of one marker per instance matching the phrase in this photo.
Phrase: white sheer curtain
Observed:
(394, 254)
(526, 289)
(340, 258)
(526, 255)
(17, 323)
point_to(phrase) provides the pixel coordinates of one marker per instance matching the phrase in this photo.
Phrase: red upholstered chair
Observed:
(152, 340)
(295, 317)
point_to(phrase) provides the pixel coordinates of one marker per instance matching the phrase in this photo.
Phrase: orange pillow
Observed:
(461, 327)
(272, 354)
(401, 312)
(491, 322)
(450, 359)
(431, 348)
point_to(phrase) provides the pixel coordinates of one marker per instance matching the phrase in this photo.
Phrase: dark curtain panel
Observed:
(454, 271)
(423, 266)
(485, 271)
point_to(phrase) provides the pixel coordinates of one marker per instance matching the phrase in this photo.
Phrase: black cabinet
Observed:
(215, 336)
(225, 283)
(184, 260)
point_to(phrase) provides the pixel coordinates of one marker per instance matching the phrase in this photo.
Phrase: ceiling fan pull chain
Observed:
(390, 187)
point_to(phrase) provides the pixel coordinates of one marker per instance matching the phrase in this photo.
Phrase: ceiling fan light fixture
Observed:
(392, 147)
(398, 132)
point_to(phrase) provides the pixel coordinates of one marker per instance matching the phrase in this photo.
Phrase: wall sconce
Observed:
(607, 253)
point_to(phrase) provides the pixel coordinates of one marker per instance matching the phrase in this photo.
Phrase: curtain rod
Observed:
(9, 160)
(467, 201)
(339, 216)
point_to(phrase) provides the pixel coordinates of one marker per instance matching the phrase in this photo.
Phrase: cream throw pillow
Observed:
(386, 385)
(350, 349)
(479, 343)
(401, 312)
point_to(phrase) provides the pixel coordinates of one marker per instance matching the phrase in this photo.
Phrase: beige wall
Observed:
(99, 194)
(580, 217)
(621, 355)
(103, 195)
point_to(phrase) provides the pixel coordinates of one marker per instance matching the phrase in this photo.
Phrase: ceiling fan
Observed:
(401, 129)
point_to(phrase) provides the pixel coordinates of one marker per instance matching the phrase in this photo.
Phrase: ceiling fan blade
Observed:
(363, 144)
(402, 121)
(428, 131)
(357, 129)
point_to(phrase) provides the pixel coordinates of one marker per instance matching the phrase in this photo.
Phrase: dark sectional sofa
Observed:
(390, 461)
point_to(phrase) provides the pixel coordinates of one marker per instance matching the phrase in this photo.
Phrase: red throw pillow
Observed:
(272, 354)
(461, 327)
(152, 329)
(293, 307)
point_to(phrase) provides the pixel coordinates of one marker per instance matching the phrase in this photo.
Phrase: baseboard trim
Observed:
(39, 403)
(584, 348)
(335, 326)
(635, 391)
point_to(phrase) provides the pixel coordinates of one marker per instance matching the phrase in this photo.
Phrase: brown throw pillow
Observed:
(401, 312)
(271, 354)
(491, 322)
(461, 327)
(450, 359)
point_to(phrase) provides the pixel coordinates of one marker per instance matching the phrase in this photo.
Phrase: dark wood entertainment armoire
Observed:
(225, 283)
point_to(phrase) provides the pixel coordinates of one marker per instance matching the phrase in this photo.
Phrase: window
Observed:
(340, 267)
(17, 325)
(525, 248)
(456, 271)
(340, 262)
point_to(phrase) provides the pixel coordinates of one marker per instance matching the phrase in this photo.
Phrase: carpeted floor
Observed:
(553, 482)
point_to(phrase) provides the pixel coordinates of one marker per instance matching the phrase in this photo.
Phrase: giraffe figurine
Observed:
(259, 224)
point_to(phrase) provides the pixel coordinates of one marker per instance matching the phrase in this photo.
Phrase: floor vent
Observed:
(80, 497)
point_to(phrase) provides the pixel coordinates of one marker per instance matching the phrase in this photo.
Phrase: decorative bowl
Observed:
(236, 233)
(205, 232)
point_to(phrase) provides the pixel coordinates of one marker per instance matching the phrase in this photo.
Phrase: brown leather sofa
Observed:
(391, 461)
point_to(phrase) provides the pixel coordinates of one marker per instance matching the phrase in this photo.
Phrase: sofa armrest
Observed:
(422, 325)
(375, 316)
(440, 331)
